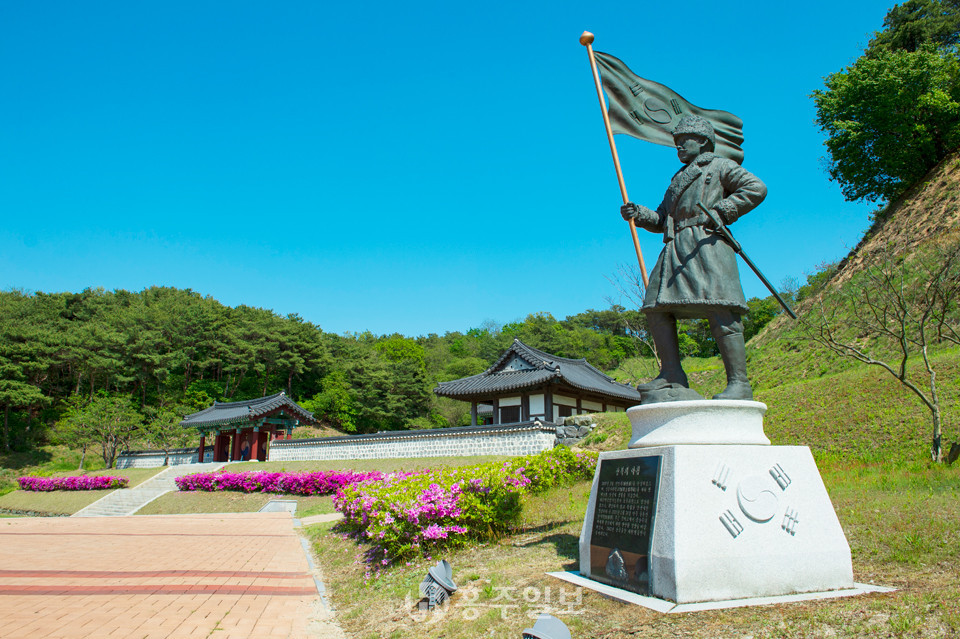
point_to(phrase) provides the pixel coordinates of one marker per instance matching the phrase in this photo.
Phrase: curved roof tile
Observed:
(545, 367)
(222, 413)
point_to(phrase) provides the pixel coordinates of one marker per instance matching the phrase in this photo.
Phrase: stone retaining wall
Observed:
(526, 438)
(154, 458)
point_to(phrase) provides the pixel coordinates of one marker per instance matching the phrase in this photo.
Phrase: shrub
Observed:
(404, 517)
(317, 483)
(74, 482)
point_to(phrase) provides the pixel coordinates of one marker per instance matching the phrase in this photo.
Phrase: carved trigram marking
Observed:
(780, 476)
(636, 89)
(636, 116)
(790, 520)
(720, 476)
(675, 103)
(730, 522)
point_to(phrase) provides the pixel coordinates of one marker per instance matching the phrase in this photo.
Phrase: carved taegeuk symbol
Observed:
(657, 111)
(757, 499)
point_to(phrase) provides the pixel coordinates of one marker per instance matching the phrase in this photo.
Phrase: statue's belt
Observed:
(697, 220)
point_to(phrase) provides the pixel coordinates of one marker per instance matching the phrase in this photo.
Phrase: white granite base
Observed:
(737, 522)
(669, 607)
(709, 421)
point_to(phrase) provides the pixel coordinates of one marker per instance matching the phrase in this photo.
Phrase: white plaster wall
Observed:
(536, 405)
(155, 458)
(591, 406)
(510, 443)
(509, 401)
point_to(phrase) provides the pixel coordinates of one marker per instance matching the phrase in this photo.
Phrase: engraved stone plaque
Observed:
(623, 522)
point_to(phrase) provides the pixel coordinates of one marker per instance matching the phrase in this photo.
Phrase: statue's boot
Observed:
(663, 330)
(734, 354)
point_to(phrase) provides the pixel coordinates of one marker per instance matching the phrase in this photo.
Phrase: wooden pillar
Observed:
(263, 440)
(579, 406)
(524, 407)
(255, 447)
(235, 447)
(496, 411)
(548, 405)
(473, 413)
(200, 453)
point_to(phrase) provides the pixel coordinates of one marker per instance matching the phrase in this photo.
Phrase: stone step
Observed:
(127, 501)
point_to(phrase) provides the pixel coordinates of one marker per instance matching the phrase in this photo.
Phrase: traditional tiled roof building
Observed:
(527, 384)
(253, 422)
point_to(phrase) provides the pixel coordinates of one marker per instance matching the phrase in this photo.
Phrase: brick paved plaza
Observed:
(178, 576)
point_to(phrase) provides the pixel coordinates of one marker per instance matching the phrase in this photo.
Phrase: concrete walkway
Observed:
(229, 576)
(127, 501)
(316, 519)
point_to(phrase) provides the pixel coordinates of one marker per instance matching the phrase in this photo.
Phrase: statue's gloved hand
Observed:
(710, 223)
(639, 214)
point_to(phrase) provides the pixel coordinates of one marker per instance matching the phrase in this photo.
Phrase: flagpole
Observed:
(586, 39)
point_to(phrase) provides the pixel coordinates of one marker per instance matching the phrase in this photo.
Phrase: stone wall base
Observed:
(512, 440)
(155, 458)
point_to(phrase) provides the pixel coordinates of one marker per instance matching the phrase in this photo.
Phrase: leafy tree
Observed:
(108, 421)
(464, 367)
(336, 404)
(397, 348)
(71, 430)
(817, 280)
(162, 430)
(454, 412)
(890, 118)
(15, 393)
(27, 352)
(894, 114)
(909, 26)
(761, 313)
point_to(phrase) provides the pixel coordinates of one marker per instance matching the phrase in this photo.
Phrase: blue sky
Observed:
(415, 167)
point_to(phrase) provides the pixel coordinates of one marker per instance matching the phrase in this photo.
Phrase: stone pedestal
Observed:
(718, 513)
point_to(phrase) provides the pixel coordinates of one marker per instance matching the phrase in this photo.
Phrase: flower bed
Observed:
(416, 515)
(76, 482)
(317, 483)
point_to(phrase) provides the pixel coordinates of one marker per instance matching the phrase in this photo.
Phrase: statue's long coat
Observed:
(697, 270)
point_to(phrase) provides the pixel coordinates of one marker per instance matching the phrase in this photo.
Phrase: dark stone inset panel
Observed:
(623, 522)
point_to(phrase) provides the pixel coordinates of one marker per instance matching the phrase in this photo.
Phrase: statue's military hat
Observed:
(696, 125)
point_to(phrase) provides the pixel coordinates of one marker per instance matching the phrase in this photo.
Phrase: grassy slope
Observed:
(46, 460)
(177, 503)
(67, 502)
(929, 212)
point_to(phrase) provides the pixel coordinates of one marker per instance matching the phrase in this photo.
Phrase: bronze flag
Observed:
(649, 111)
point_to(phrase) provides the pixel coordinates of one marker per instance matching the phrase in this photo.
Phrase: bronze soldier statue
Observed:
(696, 275)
